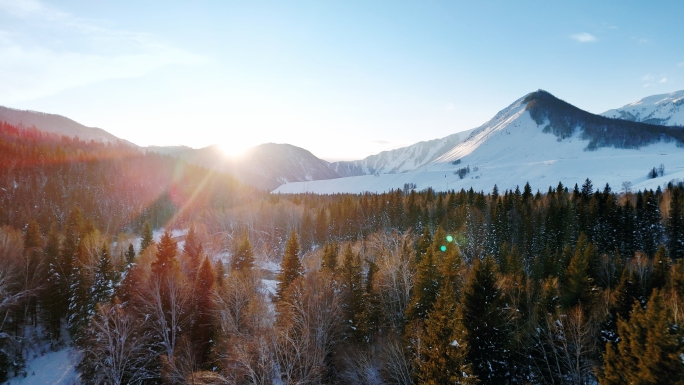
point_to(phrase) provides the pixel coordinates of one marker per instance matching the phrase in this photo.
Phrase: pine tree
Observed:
(243, 258)
(627, 292)
(102, 289)
(79, 297)
(54, 297)
(202, 324)
(329, 258)
(649, 350)
(147, 238)
(486, 325)
(290, 267)
(443, 349)
(577, 282)
(425, 288)
(660, 275)
(351, 285)
(34, 269)
(33, 238)
(675, 225)
(129, 256)
(166, 264)
(193, 250)
(423, 244)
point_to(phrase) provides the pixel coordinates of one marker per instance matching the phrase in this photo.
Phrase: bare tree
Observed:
(309, 329)
(163, 303)
(117, 348)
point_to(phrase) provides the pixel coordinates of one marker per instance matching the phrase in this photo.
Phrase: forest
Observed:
(569, 285)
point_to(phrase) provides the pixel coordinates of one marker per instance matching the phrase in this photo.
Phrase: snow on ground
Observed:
(52, 368)
(511, 150)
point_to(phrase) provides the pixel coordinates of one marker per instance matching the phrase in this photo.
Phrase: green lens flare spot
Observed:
(443, 248)
(450, 238)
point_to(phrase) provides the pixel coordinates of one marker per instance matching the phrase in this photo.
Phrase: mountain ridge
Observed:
(57, 124)
(542, 143)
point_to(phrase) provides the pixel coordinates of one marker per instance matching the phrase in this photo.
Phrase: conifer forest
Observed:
(155, 271)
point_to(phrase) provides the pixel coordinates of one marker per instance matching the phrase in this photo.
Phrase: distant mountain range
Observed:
(664, 109)
(512, 148)
(542, 140)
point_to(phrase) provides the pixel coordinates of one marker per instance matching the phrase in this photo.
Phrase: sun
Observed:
(233, 148)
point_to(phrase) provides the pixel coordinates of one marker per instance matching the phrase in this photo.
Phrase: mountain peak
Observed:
(662, 109)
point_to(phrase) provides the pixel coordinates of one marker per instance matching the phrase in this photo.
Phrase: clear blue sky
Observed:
(343, 79)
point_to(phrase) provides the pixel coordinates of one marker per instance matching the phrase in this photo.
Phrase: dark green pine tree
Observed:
(290, 267)
(129, 256)
(54, 296)
(193, 250)
(350, 274)
(102, 289)
(79, 298)
(34, 271)
(243, 258)
(627, 292)
(660, 275)
(203, 325)
(577, 282)
(147, 237)
(650, 224)
(675, 224)
(486, 325)
(425, 288)
(329, 258)
(649, 350)
(32, 238)
(370, 318)
(165, 264)
(423, 244)
(442, 354)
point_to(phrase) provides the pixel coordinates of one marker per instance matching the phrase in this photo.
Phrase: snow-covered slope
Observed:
(514, 148)
(664, 109)
(56, 124)
(402, 159)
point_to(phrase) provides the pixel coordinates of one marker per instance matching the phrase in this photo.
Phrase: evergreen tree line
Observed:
(573, 286)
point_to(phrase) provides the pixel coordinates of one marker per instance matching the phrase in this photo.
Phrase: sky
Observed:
(342, 79)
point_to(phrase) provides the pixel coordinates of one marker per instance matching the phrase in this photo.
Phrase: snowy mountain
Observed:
(664, 109)
(269, 165)
(400, 160)
(56, 124)
(266, 166)
(541, 140)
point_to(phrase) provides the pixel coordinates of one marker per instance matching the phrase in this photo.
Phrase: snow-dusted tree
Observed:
(147, 238)
(116, 350)
(202, 323)
(486, 323)
(649, 350)
(442, 349)
(102, 289)
(243, 258)
(290, 267)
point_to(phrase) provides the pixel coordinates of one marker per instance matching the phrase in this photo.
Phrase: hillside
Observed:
(56, 124)
(400, 160)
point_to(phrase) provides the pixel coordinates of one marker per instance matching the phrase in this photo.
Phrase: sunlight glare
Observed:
(233, 148)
